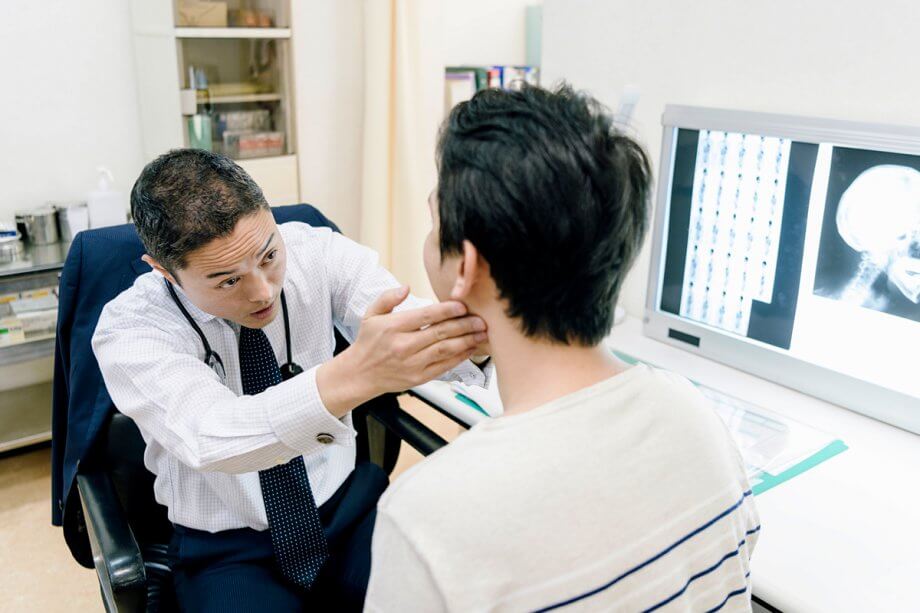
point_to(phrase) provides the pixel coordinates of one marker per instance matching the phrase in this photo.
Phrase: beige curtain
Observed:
(404, 103)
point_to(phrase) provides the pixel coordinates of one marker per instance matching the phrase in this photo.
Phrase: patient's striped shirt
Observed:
(628, 495)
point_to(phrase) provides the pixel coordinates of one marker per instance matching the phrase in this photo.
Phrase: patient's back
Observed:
(626, 495)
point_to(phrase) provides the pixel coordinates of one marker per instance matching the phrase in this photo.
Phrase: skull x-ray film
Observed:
(810, 248)
(869, 253)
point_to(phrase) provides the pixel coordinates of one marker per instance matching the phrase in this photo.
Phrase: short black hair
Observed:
(553, 196)
(186, 198)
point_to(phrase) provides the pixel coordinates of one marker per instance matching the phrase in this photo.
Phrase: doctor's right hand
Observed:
(396, 351)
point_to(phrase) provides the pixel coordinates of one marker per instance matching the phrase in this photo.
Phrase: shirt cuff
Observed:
(300, 419)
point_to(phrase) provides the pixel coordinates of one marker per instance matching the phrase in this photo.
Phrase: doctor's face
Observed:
(239, 277)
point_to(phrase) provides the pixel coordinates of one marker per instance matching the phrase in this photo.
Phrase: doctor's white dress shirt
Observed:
(206, 441)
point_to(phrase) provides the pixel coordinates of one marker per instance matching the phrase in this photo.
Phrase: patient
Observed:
(603, 486)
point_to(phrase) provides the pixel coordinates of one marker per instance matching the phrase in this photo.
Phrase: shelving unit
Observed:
(234, 32)
(32, 349)
(25, 402)
(243, 82)
(240, 99)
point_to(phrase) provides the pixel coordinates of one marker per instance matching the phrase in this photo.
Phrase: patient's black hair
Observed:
(188, 197)
(553, 196)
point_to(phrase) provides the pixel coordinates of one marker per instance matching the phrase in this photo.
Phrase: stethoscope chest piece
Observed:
(290, 370)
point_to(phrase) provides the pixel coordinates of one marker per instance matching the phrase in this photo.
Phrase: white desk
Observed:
(839, 537)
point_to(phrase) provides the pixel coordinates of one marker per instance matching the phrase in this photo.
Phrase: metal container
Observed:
(11, 249)
(38, 226)
(72, 217)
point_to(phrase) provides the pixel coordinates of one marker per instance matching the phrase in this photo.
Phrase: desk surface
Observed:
(839, 537)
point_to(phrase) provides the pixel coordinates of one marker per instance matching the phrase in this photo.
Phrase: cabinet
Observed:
(218, 75)
(28, 312)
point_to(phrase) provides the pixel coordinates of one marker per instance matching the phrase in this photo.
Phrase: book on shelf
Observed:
(458, 87)
(506, 77)
(480, 74)
(462, 82)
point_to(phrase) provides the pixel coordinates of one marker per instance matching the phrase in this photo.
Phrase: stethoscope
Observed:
(212, 358)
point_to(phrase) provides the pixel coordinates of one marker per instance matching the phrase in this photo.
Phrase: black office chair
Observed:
(126, 530)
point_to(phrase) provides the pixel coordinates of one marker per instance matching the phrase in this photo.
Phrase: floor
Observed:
(38, 573)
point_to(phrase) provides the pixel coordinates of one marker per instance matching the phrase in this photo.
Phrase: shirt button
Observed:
(324, 439)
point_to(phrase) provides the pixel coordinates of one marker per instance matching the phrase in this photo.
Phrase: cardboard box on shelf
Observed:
(242, 145)
(202, 14)
(250, 18)
(259, 120)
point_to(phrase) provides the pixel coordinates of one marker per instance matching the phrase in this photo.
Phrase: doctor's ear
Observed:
(159, 268)
(470, 268)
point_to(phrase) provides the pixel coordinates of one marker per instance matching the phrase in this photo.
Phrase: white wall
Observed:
(67, 100)
(69, 97)
(843, 59)
(484, 32)
(329, 78)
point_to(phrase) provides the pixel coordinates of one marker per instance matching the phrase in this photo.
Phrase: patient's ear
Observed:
(159, 268)
(468, 271)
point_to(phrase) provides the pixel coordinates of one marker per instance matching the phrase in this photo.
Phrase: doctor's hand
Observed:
(396, 351)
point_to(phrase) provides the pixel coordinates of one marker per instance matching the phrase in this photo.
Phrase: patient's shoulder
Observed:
(647, 417)
(416, 479)
(667, 397)
(445, 482)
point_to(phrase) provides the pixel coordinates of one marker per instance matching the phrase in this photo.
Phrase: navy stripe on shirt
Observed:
(703, 573)
(654, 558)
(738, 592)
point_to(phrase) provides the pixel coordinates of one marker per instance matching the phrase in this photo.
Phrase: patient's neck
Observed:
(533, 372)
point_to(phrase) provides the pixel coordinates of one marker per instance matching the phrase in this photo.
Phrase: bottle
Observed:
(198, 124)
(106, 205)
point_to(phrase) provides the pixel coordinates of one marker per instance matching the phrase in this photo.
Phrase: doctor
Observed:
(223, 356)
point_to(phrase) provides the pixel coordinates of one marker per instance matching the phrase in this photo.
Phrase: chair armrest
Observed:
(406, 427)
(116, 556)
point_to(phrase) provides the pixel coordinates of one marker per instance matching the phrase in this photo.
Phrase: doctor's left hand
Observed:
(396, 351)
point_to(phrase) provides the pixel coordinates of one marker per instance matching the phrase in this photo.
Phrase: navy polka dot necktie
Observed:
(293, 519)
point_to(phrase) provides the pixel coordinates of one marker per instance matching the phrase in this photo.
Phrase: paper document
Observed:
(774, 448)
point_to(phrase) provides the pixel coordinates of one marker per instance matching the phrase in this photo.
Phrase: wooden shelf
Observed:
(240, 98)
(281, 158)
(37, 259)
(233, 32)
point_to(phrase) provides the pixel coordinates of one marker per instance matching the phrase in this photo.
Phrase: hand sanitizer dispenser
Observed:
(106, 205)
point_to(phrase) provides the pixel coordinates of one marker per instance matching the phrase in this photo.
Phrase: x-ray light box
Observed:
(789, 247)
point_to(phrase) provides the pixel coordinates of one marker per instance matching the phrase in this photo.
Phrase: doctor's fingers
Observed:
(445, 330)
(411, 320)
(436, 369)
(458, 348)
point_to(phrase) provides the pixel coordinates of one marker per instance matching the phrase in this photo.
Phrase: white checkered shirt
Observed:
(206, 441)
